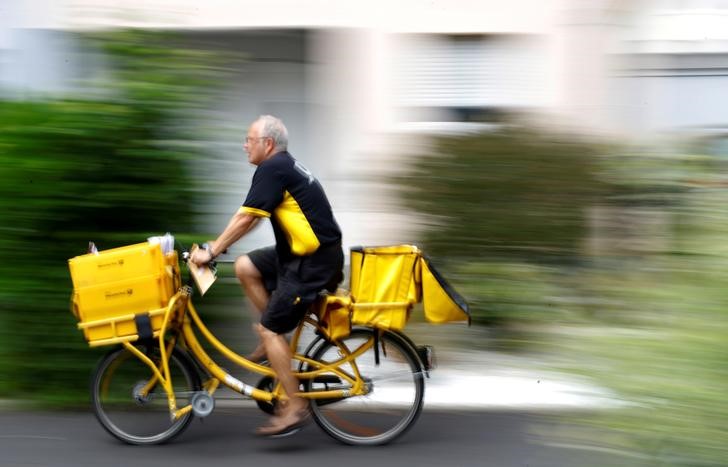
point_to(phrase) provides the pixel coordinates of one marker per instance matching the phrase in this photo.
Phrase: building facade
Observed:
(363, 85)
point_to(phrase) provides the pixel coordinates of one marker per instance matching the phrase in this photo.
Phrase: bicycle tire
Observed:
(393, 403)
(134, 419)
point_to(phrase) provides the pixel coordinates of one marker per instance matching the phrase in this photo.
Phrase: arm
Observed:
(240, 224)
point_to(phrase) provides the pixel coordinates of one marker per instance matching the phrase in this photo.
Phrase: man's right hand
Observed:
(201, 257)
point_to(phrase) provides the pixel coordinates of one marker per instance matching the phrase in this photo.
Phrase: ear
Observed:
(270, 145)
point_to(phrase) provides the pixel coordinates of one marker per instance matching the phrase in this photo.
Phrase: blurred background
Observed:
(563, 162)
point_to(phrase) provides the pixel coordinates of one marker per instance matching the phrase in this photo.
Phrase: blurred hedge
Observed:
(515, 194)
(112, 169)
(644, 315)
(501, 210)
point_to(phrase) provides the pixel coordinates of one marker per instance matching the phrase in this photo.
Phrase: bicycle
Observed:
(365, 382)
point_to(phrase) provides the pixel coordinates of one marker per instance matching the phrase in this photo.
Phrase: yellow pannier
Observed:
(441, 303)
(334, 316)
(384, 274)
(387, 281)
(112, 287)
(383, 285)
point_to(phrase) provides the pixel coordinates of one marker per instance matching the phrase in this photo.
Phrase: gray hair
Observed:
(274, 128)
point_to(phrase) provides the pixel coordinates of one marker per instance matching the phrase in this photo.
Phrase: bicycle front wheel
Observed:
(131, 404)
(395, 389)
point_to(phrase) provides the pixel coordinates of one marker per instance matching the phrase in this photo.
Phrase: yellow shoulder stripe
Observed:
(254, 212)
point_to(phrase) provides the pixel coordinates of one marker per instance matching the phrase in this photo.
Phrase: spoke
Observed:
(396, 389)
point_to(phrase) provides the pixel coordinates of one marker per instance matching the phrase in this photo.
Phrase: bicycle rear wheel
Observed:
(130, 416)
(395, 390)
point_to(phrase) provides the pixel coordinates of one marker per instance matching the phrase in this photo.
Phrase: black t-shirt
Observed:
(300, 213)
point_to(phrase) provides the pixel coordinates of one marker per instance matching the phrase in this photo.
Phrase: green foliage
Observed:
(668, 364)
(493, 202)
(650, 324)
(514, 193)
(111, 168)
(502, 294)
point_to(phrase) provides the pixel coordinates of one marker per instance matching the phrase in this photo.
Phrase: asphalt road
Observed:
(450, 439)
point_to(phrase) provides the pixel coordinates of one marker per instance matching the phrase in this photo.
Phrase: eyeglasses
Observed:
(248, 139)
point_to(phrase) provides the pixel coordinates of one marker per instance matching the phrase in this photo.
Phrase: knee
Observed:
(245, 270)
(264, 333)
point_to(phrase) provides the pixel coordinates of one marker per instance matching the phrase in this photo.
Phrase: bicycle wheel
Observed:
(396, 390)
(131, 417)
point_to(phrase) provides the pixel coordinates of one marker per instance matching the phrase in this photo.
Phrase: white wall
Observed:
(34, 56)
(320, 83)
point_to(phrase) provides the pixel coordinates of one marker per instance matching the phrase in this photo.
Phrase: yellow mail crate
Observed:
(111, 287)
(118, 264)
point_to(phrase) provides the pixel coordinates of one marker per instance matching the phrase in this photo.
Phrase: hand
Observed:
(201, 257)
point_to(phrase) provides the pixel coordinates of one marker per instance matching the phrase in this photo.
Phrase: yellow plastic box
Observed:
(111, 287)
(118, 264)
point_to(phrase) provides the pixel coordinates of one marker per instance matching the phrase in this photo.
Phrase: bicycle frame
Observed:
(181, 318)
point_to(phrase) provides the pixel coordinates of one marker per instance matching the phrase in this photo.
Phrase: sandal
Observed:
(279, 428)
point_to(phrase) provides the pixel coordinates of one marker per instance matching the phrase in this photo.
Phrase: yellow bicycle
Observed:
(364, 377)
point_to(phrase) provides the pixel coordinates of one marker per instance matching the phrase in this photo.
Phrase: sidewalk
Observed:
(491, 381)
(510, 389)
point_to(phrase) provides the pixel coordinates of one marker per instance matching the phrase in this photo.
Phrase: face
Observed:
(257, 147)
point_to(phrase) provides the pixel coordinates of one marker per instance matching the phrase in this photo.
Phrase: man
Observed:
(282, 281)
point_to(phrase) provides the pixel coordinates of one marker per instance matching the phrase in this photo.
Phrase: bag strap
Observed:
(144, 329)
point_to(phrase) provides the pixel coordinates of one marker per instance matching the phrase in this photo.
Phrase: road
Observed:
(439, 438)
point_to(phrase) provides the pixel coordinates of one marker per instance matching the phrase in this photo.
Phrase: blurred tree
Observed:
(514, 194)
(649, 323)
(110, 169)
(500, 210)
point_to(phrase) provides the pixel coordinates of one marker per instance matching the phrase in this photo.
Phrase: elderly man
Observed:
(282, 281)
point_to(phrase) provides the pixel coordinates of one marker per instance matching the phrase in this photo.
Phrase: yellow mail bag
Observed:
(441, 302)
(384, 285)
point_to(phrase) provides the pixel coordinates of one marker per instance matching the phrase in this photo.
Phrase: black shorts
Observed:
(295, 284)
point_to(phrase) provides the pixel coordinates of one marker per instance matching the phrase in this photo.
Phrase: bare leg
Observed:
(252, 281)
(279, 355)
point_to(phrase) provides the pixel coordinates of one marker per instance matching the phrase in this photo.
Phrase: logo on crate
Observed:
(120, 294)
(119, 262)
